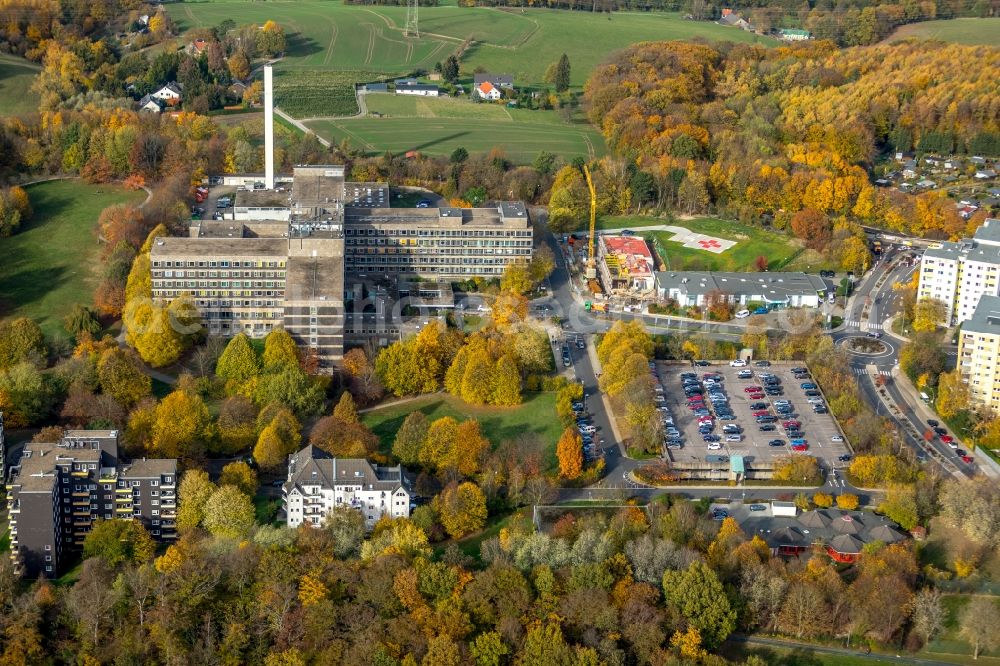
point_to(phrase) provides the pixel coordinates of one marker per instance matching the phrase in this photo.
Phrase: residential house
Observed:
(503, 81)
(926, 184)
(488, 91)
(318, 482)
(734, 20)
(197, 47)
(169, 93)
(150, 104)
(986, 174)
(910, 169)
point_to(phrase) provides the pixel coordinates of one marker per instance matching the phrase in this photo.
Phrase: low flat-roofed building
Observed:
(626, 264)
(261, 205)
(775, 289)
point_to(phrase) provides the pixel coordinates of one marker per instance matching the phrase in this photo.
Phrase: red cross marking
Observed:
(710, 244)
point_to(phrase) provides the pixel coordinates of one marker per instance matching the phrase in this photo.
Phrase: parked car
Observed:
(820, 409)
(967, 460)
(847, 457)
(758, 507)
(714, 446)
(710, 438)
(735, 437)
(812, 393)
(758, 405)
(806, 386)
(737, 363)
(731, 427)
(742, 314)
(767, 427)
(745, 374)
(702, 363)
(752, 389)
(799, 370)
(675, 444)
(762, 310)
(762, 364)
(776, 442)
(836, 438)
(932, 423)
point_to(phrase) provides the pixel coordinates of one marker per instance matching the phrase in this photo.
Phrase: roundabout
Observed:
(866, 347)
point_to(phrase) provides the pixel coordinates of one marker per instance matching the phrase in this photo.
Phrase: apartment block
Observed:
(960, 273)
(979, 352)
(57, 490)
(317, 482)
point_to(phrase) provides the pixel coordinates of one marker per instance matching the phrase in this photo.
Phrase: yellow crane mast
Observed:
(591, 273)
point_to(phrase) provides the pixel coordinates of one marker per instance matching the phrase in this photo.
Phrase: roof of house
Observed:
(794, 31)
(495, 79)
(146, 99)
(731, 19)
(149, 468)
(173, 87)
(847, 544)
(485, 87)
(199, 45)
(774, 287)
(630, 254)
(313, 466)
(415, 86)
(844, 531)
(989, 232)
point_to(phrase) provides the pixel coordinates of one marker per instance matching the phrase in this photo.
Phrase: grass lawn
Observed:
(16, 77)
(949, 643)
(960, 30)
(5, 540)
(752, 242)
(523, 42)
(521, 135)
(266, 508)
(536, 415)
(791, 657)
(53, 263)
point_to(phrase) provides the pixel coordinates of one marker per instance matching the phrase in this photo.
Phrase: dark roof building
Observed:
(842, 534)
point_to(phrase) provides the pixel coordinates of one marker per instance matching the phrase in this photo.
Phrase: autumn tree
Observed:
(182, 427)
(241, 475)
(928, 614)
(118, 542)
(120, 376)
(280, 350)
(979, 624)
(21, 340)
(194, 491)
(506, 389)
(928, 314)
(343, 439)
(462, 508)
(410, 437)
(236, 425)
(900, 505)
(229, 513)
(812, 227)
(346, 410)
(362, 372)
(279, 438)
(847, 501)
(953, 394)
(569, 451)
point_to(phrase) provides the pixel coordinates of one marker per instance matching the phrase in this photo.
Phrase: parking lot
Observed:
(745, 407)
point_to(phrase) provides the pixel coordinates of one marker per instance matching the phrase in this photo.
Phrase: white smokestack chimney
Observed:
(268, 128)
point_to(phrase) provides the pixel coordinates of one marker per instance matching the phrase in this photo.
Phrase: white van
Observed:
(742, 314)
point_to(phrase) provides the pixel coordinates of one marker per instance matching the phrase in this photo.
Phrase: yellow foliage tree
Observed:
(569, 451)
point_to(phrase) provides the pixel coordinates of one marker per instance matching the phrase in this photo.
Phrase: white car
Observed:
(742, 314)
(738, 363)
(815, 401)
(714, 446)
(588, 429)
(734, 438)
(836, 438)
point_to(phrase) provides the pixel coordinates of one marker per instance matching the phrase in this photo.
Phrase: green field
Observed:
(411, 125)
(53, 262)
(961, 31)
(16, 77)
(752, 242)
(536, 415)
(329, 35)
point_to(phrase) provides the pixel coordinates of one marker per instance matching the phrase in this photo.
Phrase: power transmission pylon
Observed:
(412, 28)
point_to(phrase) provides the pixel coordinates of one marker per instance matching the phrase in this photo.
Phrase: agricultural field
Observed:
(43, 279)
(971, 31)
(332, 36)
(535, 416)
(305, 94)
(751, 242)
(520, 141)
(16, 77)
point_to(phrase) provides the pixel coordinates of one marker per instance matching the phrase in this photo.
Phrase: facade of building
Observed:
(57, 491)
(436, 242)
(488, 91)
(776, 290)
(317, 483)
(979, 352)
(959, 274)
(284, 260)
(419, 89)
(626, 264)
(170, 93)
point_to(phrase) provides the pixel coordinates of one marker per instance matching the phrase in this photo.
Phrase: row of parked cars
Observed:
(710, 388)
(588, 432)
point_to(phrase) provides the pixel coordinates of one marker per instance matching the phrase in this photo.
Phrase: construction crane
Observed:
(591, 273)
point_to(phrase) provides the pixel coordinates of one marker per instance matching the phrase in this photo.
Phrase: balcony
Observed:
(85, 514)
(80, 473)
(123, 498)
(123, 509)
(123, 490)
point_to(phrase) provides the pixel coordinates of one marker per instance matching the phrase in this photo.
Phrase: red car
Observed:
(756, 396)
(762, 412)
(799, 447)
(967, 459)
(790, 424)
(704, 419)
(947, 439)
(695, 398)
(695, 406)
(753, 389)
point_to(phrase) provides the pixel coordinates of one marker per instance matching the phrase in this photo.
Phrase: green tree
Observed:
(120, 376)
(237, 426)
(462, 509)
(410, 437)
(346, 410)
(289, 386)
(241, 475)
(441, 651)
(81, 320)
(544, 645)
(21, 340)
(238, 362)
(699, 596)
(900, 505)
(229, 513)
(458, 155)
(561, 76)
(194, 492)
(449, 70)
(118, 542)
(489, 649)
(280, 350)
(25, 395)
